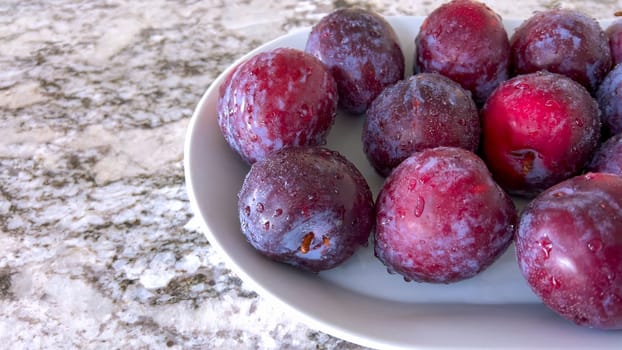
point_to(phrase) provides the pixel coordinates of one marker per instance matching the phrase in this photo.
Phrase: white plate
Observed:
(359, 301)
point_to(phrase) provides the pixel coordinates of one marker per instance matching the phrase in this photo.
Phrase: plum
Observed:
(609, 97)
(306, 206)
(441, 218)
(614, 33)
(608, 158)
(425, 111)
(565, 42)
(569, 249)
(465, 41)
(538, 129)
(361, 50)
(280, 98)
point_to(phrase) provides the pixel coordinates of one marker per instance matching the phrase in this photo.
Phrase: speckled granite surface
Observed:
(98, 246)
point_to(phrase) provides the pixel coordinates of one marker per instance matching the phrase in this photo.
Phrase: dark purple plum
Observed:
(280, 98)
(361, 50)
(465, 41)
(569, 248)
(306, 206)
(614, 33)
(538, 129)
(608, 158)
(565, 42)
(441, 218)
(609, 97)
(425, 111)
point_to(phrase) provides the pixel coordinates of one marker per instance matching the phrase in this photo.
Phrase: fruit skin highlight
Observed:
(441, 218)
(361, 50)
(565, 42)
(538, 129)
(276, 99)
(306, 206)
(467, 42)
(569, 249)
(425, 111)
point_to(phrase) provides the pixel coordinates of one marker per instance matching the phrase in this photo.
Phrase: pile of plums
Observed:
(485, 117)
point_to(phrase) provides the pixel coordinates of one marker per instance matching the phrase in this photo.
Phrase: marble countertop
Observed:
(98, 245)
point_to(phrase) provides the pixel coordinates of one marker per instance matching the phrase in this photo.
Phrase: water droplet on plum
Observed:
(385, 220)
(419, 206)
(546, 245)
(595, 245)
(412, 185)
(555, 282)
